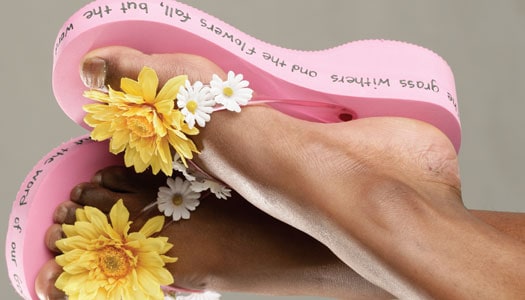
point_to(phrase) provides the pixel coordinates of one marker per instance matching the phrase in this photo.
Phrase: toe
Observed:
(65, 213)
(94, 195)
(116, 178)
(106, 66)
(53, 234)
(97, 195)
(45, 282)
(125, 180)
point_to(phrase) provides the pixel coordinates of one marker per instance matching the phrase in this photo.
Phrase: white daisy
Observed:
(196, 103)
(208, 295)
(179, 166)
(231, 93)
(177, 199)
(219, 190)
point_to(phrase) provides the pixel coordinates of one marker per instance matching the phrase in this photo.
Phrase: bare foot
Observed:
(278, 167)
(375, 191)
(225, 245)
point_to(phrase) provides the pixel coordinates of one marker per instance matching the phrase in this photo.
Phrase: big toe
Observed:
(106, 66)
(126, 180)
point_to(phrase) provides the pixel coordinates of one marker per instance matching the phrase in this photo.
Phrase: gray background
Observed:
(483, 41)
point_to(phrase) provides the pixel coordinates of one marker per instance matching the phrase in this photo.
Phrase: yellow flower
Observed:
(103, 261)
(141, 122)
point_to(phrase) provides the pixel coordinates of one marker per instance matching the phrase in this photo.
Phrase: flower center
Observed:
(192, 106)
(114, 262)
(177, 200)
(140, 126)
(227, 91)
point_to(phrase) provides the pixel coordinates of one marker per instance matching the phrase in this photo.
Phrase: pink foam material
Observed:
(48, 184)
(357, 80)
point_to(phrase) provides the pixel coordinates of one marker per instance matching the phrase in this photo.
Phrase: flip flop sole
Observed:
(356, 80)
(47, 185)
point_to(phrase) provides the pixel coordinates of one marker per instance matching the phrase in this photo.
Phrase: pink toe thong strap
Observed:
(356, 80)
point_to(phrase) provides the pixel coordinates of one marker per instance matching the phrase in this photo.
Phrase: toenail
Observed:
(76, 193)
(97, 178)
(57, 235)
(93, 73)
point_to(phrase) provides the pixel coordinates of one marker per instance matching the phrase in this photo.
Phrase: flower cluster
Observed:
(148, 125)
(152, 127)
(182, 195)
(104, 261)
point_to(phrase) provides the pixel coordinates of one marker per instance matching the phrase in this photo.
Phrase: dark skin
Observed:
(225, 245)
(389, 196)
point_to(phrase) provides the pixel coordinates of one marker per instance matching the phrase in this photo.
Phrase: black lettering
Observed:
(250, 51)
(227, 36)
(134, 6)
(336, 78)
(275, 60)
(184, 16)
(52, 158)
(99, 11)
(452, 100)
(383, 81)
(16, 225)
(204, 23)
(435, 87)
(13, 253)
(305, 71)
(19, 283)
(422, 85)
(22, 201)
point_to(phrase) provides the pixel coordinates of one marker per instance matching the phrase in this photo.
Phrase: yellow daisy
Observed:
(141, 122)
(103, 261)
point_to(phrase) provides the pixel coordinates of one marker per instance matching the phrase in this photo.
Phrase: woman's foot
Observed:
(276, 167)
(361, 181)
(226, 245)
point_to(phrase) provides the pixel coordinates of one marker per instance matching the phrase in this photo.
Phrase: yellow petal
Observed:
(119, 216)
(62, 281)
(130, 86)
(147, 281)
(163, 151)
(168, 259)
(101, 132)
(150, 259)
(159, 127)
(119, 141)
(152, 226)
(97, 218)
(88, 230)
(149, 82)
(116, 96)
(80, 215)
(165, 106)
(97, 96)
(170, 90)
(132, 158)
(72, 243)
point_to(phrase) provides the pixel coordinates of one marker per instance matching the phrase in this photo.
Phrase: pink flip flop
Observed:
(356, 80)
(47, 185)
